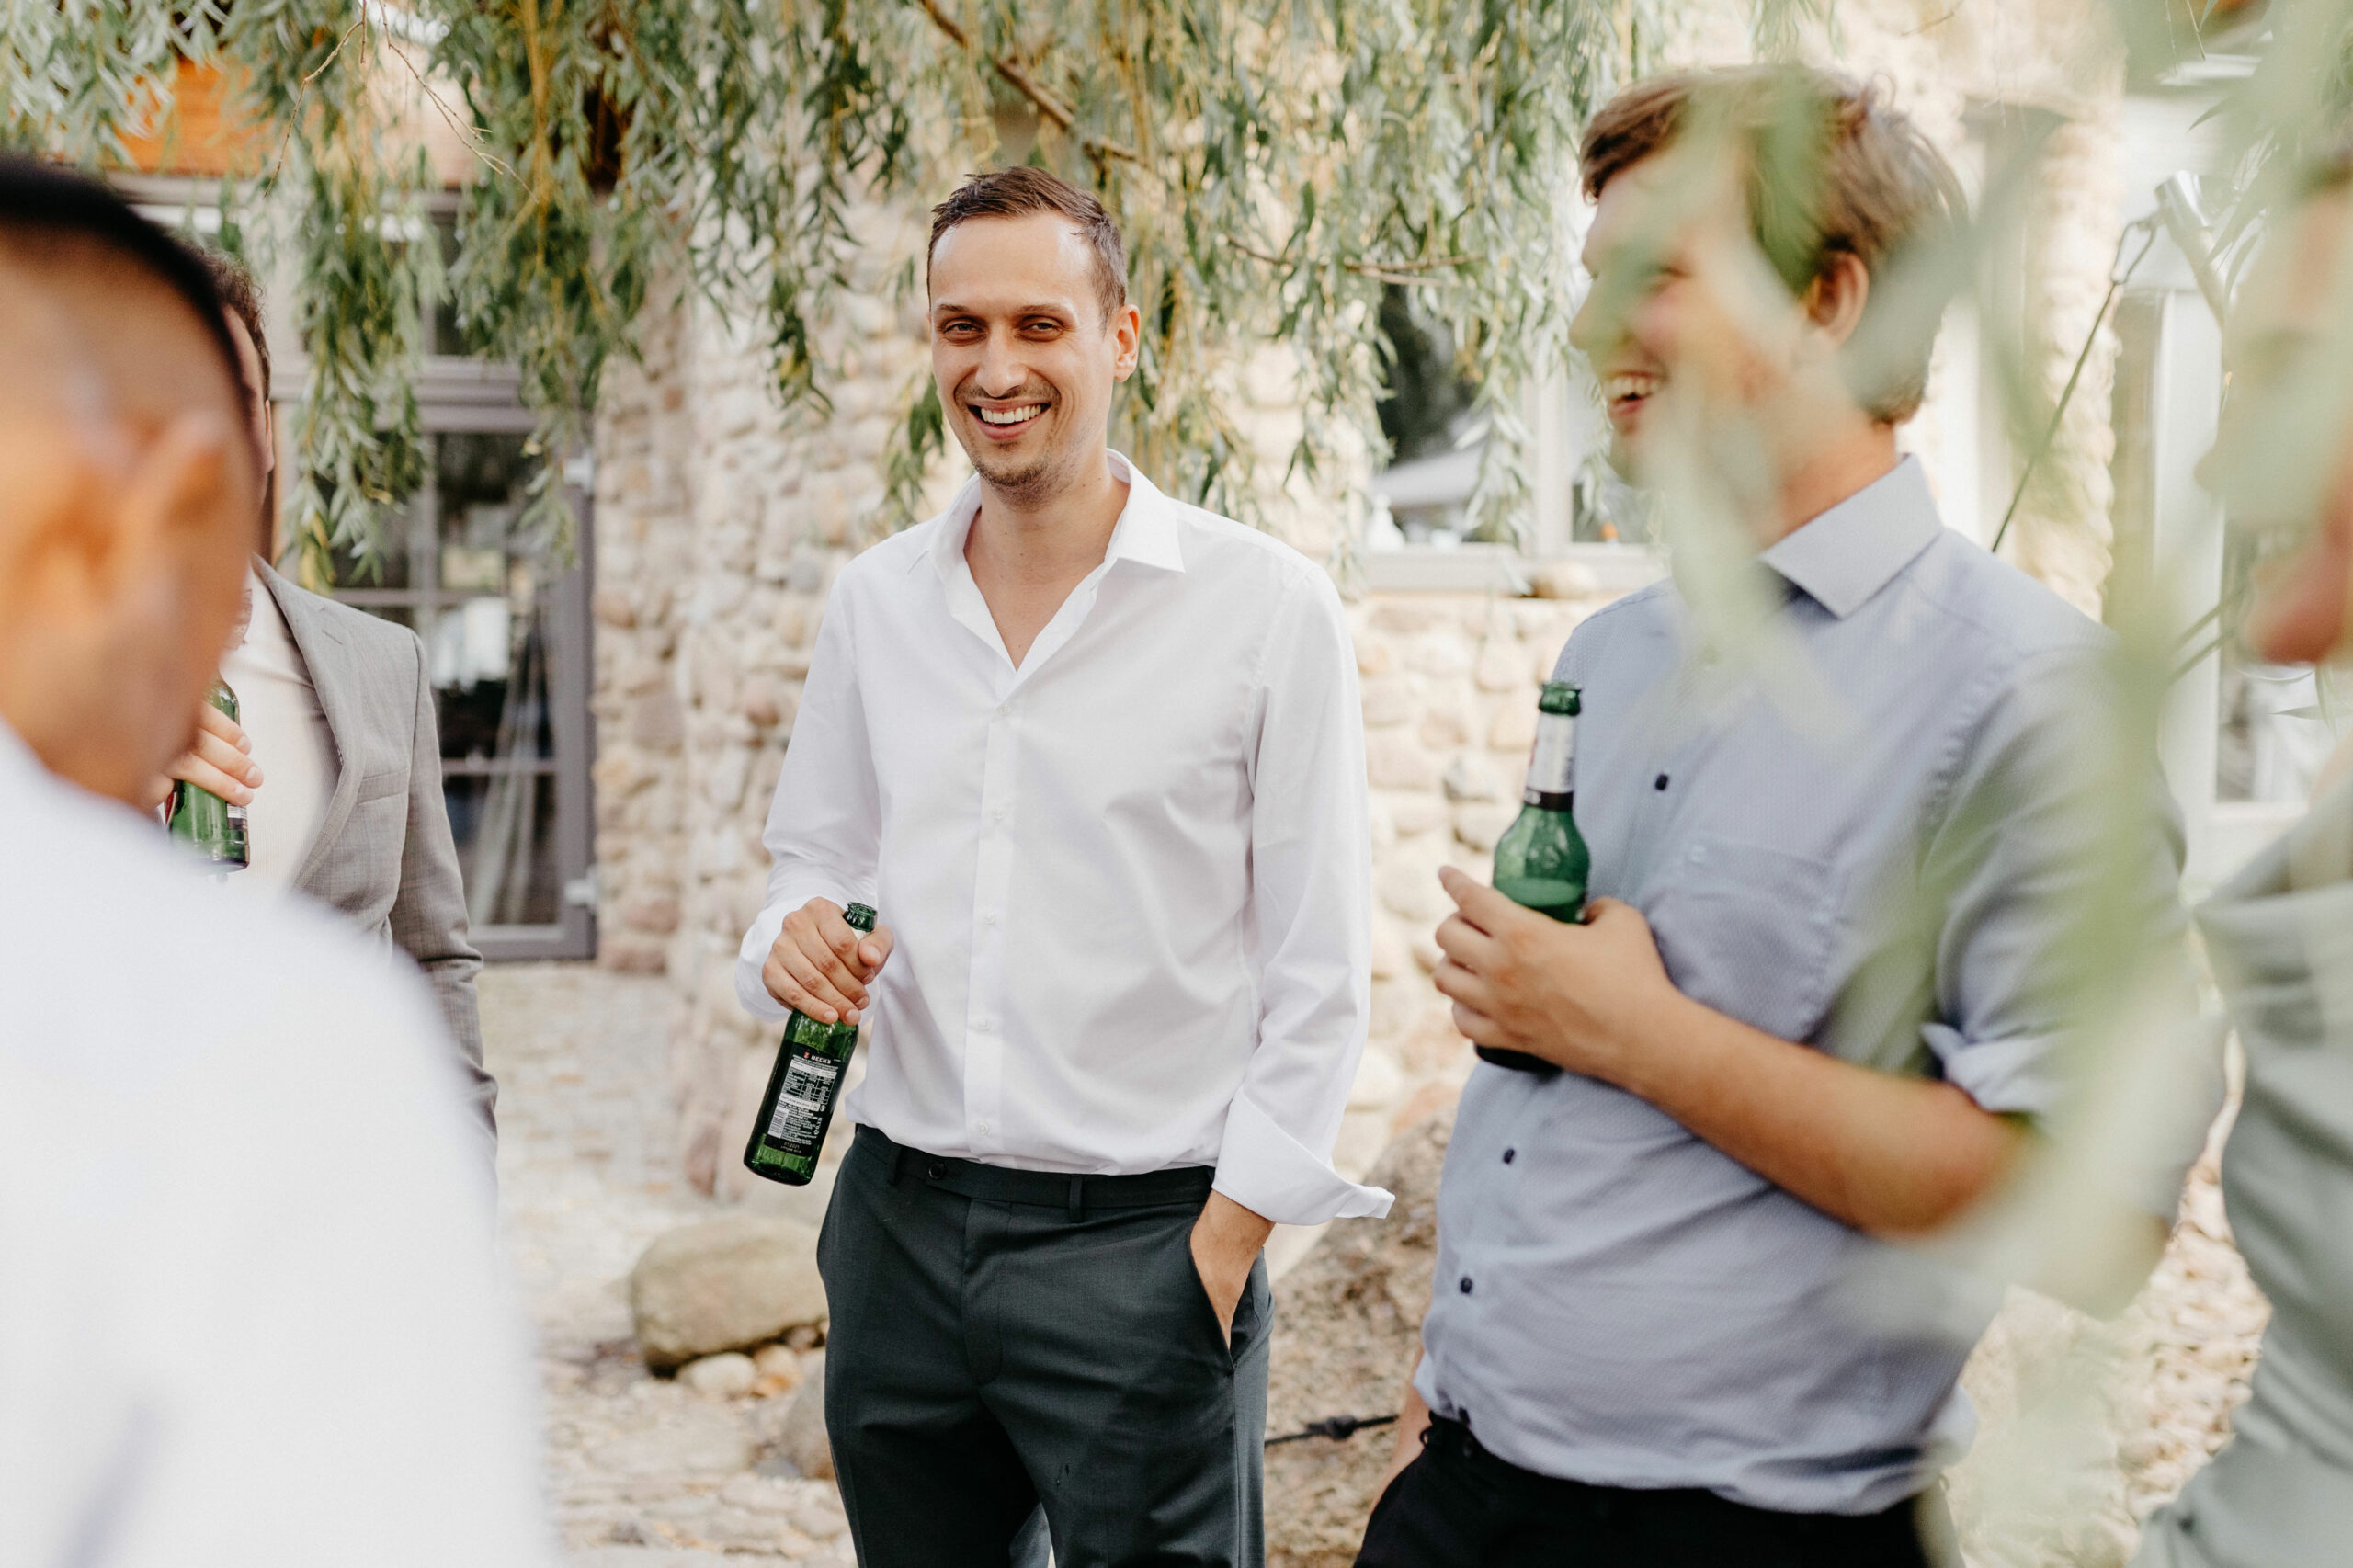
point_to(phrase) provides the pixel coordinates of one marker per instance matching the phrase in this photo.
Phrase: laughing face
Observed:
(1683, 307)
(1025, 351)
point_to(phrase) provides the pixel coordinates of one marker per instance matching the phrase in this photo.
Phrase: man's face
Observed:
(1685, 316)
(2282, 462)
(1024, 352)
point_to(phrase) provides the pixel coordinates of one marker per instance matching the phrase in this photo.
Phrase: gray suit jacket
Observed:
(383, 855)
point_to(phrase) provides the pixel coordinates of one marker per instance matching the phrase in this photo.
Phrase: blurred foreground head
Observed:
(1766, 248)
(2282, 462)
(127, 482)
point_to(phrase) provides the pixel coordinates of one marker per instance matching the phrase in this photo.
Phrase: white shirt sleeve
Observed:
(1312, 876)
(824, 826)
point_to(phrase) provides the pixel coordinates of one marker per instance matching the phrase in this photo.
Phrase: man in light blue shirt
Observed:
(1841, 822)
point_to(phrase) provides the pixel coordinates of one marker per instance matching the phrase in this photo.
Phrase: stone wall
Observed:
(720, 526)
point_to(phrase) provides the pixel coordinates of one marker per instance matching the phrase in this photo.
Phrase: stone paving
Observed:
(646, 1474)
(643, 1472)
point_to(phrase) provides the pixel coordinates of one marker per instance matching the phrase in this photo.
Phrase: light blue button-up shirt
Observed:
(1867, 828)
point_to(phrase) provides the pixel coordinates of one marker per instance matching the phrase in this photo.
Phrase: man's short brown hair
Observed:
(1831, 167)
(1021, 191)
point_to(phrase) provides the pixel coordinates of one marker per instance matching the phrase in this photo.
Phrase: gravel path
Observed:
(643, 1472)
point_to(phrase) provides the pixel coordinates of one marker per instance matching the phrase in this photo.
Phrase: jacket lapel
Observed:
(327, 659)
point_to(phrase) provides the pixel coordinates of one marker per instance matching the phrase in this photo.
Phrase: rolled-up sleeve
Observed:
(1312, 874)
(825, 824)
(2059, 861)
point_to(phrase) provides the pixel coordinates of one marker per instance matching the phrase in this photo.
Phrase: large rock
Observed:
(1348, 1324)
(724, 1284)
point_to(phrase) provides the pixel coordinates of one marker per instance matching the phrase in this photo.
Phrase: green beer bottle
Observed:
(202, 820)
(1540, 861)
(802, 1089)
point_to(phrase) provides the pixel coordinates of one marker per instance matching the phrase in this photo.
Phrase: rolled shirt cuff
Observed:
(1275, 1176)
(2014, 1076)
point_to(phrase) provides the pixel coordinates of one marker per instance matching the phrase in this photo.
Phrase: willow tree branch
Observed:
(1398, 272)
(1018, 78)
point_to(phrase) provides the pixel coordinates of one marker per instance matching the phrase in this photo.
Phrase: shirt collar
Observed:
(1845, 556)
(1146, 532)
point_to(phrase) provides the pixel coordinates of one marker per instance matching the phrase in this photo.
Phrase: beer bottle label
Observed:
(1551, 772)
(801, 1103)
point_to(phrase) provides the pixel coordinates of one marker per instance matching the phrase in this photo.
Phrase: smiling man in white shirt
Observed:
(1096, 756)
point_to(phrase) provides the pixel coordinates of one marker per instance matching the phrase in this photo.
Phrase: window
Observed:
(1419, 536)
(505, 626)
(506, 629)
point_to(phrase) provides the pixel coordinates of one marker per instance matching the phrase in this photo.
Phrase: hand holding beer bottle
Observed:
(1541, 862)
(214, 824)
(806, 1082)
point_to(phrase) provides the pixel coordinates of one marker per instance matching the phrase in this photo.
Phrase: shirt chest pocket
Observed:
(1748, 931)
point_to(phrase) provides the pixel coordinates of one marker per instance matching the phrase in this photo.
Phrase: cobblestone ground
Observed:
(643, 1472)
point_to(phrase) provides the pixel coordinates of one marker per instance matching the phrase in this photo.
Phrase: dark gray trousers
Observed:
(992, 1349)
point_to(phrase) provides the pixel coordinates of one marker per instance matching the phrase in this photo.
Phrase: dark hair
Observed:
(241, 297)
(45, 205)
(1018, 191)
(1831, 168)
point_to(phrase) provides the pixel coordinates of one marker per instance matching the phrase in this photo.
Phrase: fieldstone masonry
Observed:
(720, 526)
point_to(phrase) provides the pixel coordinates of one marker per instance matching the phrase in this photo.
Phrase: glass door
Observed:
(504, 624)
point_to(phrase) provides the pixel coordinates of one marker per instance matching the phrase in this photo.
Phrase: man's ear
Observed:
(1126, 337)
(1835, 300)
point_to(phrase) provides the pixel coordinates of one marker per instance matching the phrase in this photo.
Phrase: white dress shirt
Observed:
(1129, 880)
(280, 709)
(251, 1312)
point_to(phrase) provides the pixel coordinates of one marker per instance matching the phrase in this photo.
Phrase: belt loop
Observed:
(1077, 1198)
(898, 1158)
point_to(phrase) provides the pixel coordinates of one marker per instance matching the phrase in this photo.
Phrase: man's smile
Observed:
(1004, 421)
(1625, 392)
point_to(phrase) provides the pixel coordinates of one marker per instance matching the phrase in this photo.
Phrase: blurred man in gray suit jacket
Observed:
(337, 760)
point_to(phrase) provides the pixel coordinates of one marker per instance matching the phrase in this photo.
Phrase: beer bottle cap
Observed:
(860, 916)
(1559, 697)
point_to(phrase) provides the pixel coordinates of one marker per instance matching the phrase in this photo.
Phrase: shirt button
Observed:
(982, 1127)
(1659, 782)
(1004, 710)
(1466, 1284)
(1510, 1154)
